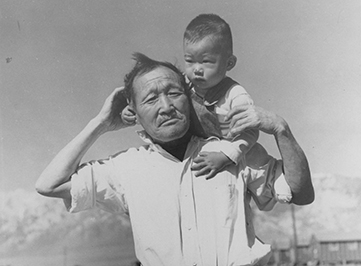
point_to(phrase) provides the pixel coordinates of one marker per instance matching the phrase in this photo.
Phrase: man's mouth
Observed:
(169, 121)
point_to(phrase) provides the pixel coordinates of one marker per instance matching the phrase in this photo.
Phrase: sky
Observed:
(60, 59)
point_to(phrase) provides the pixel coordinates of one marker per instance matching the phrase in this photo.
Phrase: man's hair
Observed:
(143, 65)
(205, 25)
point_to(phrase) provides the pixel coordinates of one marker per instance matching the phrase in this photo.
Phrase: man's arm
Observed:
(55, 179)
(296, 169)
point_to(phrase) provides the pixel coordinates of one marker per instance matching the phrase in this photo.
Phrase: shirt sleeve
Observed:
(233, 149)
(267, 185)
(243, 142)
(92, 185)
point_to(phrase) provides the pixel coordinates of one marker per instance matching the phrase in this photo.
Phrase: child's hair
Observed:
(209, 25)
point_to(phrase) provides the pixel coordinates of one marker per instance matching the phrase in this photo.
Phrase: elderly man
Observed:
(177, 218)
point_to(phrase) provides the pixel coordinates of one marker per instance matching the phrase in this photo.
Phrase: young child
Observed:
(208, 55)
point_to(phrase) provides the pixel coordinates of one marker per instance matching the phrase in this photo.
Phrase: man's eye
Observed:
(150, 100)
(189, 61)
(174, 93)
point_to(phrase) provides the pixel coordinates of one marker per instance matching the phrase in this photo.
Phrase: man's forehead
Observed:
(160, 74)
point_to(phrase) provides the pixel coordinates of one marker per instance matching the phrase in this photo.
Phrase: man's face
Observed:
(161, 105)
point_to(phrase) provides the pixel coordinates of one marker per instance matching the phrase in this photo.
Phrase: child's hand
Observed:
(128, 116)
(209, 164)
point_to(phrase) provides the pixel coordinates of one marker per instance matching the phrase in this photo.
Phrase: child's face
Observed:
(205, 62)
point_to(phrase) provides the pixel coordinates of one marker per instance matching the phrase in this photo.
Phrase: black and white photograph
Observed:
(180, 133)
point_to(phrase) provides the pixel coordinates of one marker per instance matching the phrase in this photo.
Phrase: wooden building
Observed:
(336, 249)
(321, 249)
(282, 254)
(303, 253)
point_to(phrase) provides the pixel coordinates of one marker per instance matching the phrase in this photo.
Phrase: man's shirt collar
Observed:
(158, 148)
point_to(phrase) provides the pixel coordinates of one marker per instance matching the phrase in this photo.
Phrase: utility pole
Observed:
(65, 256)
(295, 240)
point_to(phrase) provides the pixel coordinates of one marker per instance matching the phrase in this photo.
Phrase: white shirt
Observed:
(235, 96)
(176, 218)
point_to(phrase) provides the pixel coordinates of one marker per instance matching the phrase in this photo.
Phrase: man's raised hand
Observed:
(254, 117)
(110, 114)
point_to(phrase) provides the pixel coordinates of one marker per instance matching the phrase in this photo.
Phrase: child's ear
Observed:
(232, 60)
(132, 110)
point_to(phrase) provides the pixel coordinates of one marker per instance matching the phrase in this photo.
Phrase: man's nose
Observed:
(166, 105)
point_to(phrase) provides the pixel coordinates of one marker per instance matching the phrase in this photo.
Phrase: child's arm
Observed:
(208, 164)
(232, 151)
(240, 145)
(235, 148)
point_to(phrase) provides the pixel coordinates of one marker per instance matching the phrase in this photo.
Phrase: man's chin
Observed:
(172, 133)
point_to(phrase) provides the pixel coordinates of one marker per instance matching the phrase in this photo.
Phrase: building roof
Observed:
(338, 236)
(288, 243)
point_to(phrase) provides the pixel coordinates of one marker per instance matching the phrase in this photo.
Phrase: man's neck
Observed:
(177, 147)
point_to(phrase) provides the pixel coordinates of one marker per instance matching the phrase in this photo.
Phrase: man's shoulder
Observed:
(210, 144)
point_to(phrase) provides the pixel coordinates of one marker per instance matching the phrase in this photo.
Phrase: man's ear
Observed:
(232, 60)
(132, 109)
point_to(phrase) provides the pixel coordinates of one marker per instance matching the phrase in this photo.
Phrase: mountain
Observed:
(32, 224)
(335, 210)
